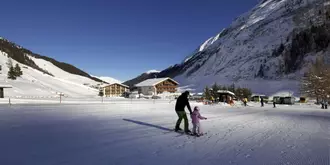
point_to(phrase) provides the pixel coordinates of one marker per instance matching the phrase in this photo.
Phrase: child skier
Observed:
(195, 117)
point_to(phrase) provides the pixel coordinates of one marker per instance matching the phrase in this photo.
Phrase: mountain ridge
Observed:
(20, 53)
(261, 44)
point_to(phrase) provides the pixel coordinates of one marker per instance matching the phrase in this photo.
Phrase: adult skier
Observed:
(180, 105)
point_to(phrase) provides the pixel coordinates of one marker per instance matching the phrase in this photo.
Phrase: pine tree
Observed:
(243, 93)
(239, 93)
(224, 88)
(247, 93)
(18, 71)
(11, 73)
(207, 93)
(215, 89)
(232, 88)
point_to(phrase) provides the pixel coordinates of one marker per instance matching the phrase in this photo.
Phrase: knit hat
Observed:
(196, 108)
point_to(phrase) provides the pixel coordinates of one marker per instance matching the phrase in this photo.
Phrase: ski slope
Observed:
(139, 132)
(61, 74)
(35, 84)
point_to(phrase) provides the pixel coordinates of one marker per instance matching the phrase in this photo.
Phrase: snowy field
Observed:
(139, 132)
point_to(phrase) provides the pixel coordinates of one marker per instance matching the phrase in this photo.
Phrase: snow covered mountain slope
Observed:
(23, 55)
(43, 76)
(34, 83)
(109, 80)
(140, 78)
(266, 49)
(59, 73)
(152, 71)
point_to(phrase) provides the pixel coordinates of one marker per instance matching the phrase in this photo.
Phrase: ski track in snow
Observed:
(140, 133)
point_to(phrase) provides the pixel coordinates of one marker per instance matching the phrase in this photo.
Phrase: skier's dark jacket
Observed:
(182, 102)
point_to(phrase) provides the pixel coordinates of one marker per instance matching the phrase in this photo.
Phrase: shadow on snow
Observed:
(148, 124)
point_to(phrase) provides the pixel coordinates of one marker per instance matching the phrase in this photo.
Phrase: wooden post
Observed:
(9, 102)
(61, 94)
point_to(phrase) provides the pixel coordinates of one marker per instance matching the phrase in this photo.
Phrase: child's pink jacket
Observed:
(196, 116)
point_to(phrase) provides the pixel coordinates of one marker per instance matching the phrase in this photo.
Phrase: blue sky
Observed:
(117, 38)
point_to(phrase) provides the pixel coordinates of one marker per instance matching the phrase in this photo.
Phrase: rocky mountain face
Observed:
(272, 43)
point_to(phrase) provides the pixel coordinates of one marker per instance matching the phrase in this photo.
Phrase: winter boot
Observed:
(178, 129)
(187, 132)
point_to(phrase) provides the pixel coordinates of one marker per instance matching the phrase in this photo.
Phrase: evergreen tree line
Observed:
(19, 54)
(14, 72)
(316, 38)
(238, 91)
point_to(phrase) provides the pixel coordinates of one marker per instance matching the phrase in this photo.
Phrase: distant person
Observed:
(180, 105)
(195, 117)
(274, 103)
(262, 102)
(326, 104)
(245, 100)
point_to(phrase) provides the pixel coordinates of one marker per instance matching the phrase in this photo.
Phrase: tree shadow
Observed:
(148, 124)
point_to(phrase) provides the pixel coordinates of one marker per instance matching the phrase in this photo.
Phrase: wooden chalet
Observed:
(114, 90)
(157, 86)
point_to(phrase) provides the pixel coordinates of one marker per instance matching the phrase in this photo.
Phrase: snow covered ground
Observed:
(139, 132)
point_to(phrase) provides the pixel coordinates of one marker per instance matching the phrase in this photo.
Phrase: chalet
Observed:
(114, 90)
(225, 96)
(157, 86)
(284, 100)
(257, 98)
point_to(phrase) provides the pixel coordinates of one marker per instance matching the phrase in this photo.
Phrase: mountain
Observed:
(152, 71)
(266, 49)
(21, 55)
(43, 76)
(109, 80)
(142, 77)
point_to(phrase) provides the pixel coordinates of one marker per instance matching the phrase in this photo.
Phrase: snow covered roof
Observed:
(105, 85)
(153, 82)
(226, 91)
(5, 86)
